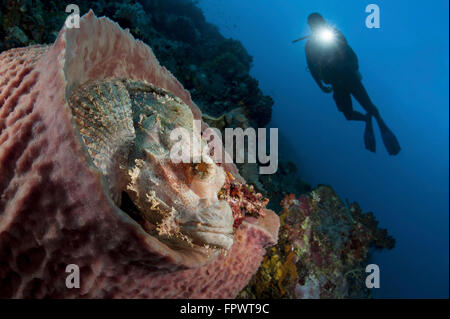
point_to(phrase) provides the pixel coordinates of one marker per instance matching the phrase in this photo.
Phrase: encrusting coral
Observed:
(322, 250)
(243, 200)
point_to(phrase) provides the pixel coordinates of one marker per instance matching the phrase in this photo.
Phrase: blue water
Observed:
(405, 68)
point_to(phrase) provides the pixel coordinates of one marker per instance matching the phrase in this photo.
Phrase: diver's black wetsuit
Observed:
(336, 63)
(344, 87)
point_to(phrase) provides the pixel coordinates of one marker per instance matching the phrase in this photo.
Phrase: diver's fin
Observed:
(369, 137)
(389, 139)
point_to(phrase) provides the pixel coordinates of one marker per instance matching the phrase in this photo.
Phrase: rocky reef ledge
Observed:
(322, 252)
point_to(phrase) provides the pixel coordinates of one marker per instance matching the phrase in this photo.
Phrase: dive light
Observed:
(325, 35)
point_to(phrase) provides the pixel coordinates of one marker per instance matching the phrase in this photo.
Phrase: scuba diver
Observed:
(332, 61)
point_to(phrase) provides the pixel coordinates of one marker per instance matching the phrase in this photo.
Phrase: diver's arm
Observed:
(312, 65)
(314, 69)
(315, 74)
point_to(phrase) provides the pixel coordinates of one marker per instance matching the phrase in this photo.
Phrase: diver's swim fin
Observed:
(369, 137)
(389, 139)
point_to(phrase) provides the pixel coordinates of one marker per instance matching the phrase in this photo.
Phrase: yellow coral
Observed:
(288, 268)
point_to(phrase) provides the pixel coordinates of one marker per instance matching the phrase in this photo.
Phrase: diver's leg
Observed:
(389, 139)
(358, 90)
(343, 101)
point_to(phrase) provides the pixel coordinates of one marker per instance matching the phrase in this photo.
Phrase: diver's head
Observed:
(316, 21)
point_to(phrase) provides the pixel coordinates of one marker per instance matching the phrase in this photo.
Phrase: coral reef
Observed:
(243, 200)
(231, 119)
(283, 183)
(275, 186)
(178, 33)
(57, 194)
(322, 250)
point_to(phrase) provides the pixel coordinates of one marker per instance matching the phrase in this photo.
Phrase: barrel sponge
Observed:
(54, 207)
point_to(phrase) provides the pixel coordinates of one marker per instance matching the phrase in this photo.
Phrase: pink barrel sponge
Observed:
(54, 206)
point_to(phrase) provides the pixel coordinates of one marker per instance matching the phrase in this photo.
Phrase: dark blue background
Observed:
(405, 70)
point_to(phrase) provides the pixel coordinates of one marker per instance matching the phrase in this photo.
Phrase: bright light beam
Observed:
(326, 35)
